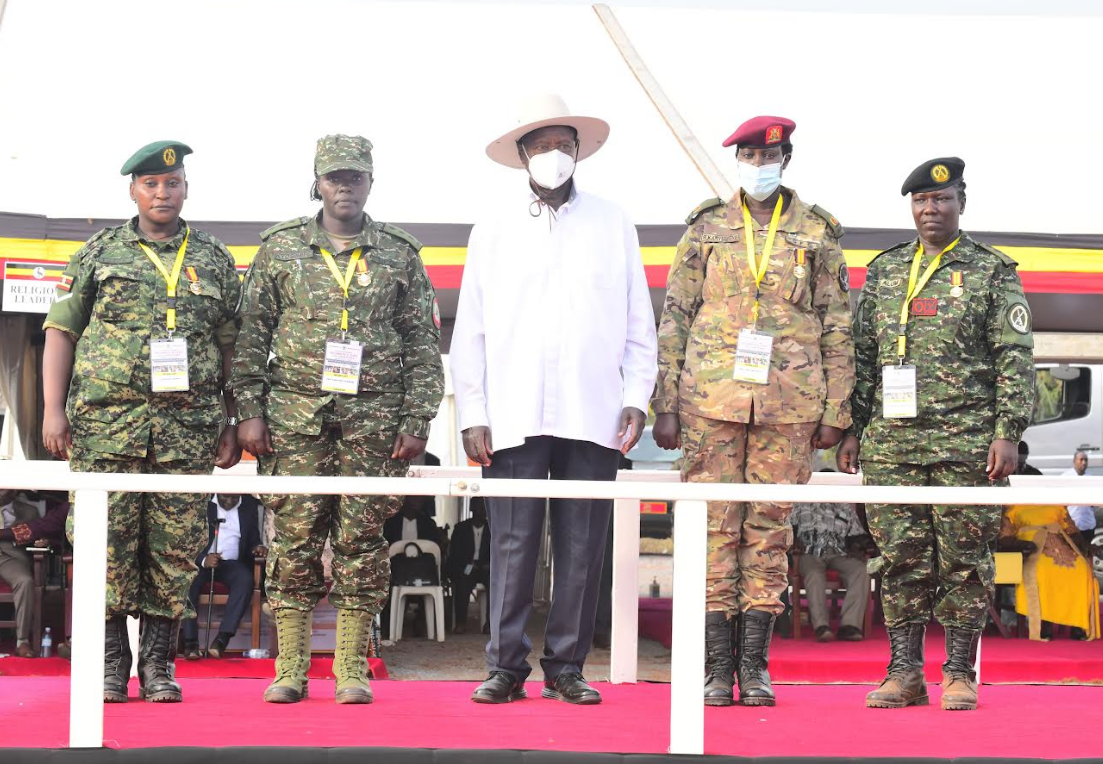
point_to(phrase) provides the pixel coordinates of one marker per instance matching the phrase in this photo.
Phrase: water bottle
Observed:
(656, 591)
(257, 652)
(47, 644)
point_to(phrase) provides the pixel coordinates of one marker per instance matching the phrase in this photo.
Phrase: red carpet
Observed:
(226, 668)
(1020, 722)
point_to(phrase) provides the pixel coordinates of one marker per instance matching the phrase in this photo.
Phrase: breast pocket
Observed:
(794, 274)
(119, 292)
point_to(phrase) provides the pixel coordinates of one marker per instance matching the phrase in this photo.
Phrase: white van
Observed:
(1068, 417)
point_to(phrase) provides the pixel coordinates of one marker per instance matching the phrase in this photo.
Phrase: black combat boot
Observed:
(117, 660)
(959, 677)
(719, 661)
(754, 658)
(157, 659)
(904, 684)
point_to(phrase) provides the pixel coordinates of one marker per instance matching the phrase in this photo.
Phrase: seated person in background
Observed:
(230, 561)
(27, 519)
(1058, 583)
(1082, 514)
(830, 536)
(413, 522)
(469, 561)
(1024, 454)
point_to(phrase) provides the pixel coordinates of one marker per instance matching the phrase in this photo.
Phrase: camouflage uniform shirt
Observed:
(710, 297)
(111, 301)
(973, 356)
(292, 305)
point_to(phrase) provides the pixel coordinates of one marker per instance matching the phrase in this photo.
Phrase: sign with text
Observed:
(29, 286)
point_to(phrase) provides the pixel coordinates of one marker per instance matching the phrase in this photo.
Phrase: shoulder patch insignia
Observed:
(407, 237)
(833, 223)
(715, 201)
(293, 223)
(1006, 259)
(1018, 318)
(844, 278)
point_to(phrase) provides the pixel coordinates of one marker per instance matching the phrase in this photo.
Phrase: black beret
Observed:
(156, 158)
(933, 175)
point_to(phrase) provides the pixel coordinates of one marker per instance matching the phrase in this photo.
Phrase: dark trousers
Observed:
(462, 586)
(578, 530)
(237, 576)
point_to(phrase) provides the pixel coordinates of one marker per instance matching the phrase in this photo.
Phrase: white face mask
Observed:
(551, 169)
(759, 182)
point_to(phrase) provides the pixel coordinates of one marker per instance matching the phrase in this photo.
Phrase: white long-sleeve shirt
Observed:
(555, 332)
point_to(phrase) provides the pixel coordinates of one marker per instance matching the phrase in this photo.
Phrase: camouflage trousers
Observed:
(152, 538)
(936, 560)
(748, 543)
(353, 524)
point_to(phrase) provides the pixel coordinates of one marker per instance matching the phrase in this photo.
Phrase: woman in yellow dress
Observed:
(1058, 583)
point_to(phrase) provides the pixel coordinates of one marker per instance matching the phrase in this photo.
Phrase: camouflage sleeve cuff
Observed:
(414, 425)
(856, 430)
(664, 405)
(22, 533)
(1007, 429)
(55, 325)
(226, 335)
(248, 407)
(835, 415)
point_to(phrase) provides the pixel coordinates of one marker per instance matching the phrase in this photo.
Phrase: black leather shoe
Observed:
(500, 687)
(192, 651)
(571, 688)
(218, 647)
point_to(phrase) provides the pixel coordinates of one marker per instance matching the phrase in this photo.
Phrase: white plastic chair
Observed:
(432, 596)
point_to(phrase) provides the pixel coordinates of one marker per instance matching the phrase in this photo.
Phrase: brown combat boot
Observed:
(904, 686)
(719, 661)
(292, 664)
(959, 679)
(350, 658)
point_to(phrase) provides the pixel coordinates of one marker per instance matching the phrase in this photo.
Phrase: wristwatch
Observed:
(230, 421)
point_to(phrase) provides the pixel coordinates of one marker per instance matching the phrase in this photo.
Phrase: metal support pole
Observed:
(89, 607)
(623, 658)
(687, 650)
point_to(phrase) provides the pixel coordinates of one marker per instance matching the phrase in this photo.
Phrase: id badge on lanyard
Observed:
(341, 368)
(898, 392)
(752, 357)
(168, 365)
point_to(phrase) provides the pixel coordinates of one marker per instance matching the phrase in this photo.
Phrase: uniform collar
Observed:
(131, 232)
(963, 252)
(789, 221)
(317, 237)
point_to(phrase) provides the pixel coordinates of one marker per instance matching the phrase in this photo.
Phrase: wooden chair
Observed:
(834, 589)
(222, 596)
(39, 558)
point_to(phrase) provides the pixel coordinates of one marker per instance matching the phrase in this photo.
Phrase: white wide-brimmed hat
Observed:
(545, 111)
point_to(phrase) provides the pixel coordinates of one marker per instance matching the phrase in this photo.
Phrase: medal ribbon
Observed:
(171, 279)
(914, 288)
(344, 282)
(759, 270)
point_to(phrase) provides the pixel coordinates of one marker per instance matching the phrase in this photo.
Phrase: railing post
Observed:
(687, 651)
(623, 658)
(89, 595)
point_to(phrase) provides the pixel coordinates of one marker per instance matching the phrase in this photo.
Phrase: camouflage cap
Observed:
(342, 152)
(156, 158)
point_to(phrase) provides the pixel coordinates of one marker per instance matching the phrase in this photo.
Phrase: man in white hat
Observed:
(553, 363)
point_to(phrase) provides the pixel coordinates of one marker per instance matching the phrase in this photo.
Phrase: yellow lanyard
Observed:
(344, 283)
(759, 270)
(914, 288)
(171, 279)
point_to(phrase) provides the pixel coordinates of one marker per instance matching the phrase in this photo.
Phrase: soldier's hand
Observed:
(228, 452)
(254, 437)
(667, 431)
(1003, 458)
(826, 436)
(846, 458)
(631, 427)
(212, 560)
(407, 447)
(476, 442)
(56, 434)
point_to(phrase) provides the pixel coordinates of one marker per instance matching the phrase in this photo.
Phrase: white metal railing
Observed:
(690, 531)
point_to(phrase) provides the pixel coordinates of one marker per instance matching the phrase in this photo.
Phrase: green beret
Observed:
(342, 152)
(156, 159)
(933, 175)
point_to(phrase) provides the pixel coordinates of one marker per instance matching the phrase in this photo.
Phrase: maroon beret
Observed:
(760, 132)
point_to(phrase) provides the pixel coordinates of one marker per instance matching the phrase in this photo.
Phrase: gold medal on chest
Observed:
(363, 279)
(195, 288)
(957, 292)
(799, 271)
